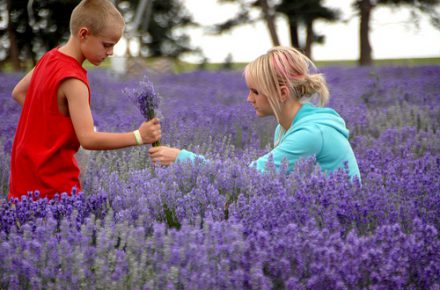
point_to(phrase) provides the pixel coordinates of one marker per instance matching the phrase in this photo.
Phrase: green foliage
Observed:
(37, 29)
(158, 32)
(298, 12)
(307, 10)
(34, 31)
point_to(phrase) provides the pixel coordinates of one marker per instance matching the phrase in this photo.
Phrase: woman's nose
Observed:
(249, 98)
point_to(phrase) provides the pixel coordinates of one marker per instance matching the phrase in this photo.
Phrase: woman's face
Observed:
(258, 101)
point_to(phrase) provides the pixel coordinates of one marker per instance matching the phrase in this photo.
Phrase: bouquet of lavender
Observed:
(147, 100)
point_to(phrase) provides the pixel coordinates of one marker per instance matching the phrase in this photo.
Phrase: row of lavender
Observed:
(223, 225)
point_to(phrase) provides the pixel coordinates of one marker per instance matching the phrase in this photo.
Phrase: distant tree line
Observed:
(28, 28)
(303, 13)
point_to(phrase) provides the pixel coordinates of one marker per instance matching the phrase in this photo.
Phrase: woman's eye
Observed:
(254, 92)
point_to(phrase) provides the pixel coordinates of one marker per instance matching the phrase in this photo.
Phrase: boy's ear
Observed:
(83, 32)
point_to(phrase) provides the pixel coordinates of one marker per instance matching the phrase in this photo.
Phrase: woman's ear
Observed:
(285, 94)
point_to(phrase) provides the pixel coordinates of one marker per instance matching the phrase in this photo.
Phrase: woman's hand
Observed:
(150, 131)
(163, 155)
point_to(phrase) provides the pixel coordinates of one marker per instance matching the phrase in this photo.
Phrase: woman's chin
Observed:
(261, 114)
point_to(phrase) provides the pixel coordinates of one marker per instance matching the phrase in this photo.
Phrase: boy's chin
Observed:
(96, 63)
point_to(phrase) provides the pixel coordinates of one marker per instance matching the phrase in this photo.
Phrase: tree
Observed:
(305, 13)
(269, 17)
(34, 27)
(365, 8)
(267, 9)
(159, 34)
(298, 13)
(13, 47)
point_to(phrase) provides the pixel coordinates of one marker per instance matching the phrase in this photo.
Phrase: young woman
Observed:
(281, 85)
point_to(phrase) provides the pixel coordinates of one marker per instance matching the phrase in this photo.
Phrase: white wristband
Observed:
(137, 136)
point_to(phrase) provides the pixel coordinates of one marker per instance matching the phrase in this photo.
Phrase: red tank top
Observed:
(45, 142)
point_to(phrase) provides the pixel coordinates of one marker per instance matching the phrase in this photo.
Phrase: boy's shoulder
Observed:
(55, 58)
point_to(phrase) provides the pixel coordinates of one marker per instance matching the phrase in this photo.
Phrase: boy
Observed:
(56, 117)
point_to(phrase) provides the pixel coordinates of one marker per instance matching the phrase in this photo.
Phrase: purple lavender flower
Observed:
(237, 228)
(147, 100)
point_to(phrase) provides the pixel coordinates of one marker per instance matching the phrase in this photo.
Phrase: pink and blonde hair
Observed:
(286, 66)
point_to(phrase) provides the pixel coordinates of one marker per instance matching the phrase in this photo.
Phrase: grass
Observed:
(178, 66)
(379, 62)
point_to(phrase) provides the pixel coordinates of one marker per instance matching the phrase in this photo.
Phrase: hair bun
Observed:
(316, 84)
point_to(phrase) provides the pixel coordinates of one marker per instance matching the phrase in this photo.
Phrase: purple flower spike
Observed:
(147, 100)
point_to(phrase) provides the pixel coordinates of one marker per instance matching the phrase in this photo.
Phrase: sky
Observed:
(393, 34)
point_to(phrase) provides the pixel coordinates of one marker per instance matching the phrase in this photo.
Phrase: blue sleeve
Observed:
(185, 155)
(301, 143)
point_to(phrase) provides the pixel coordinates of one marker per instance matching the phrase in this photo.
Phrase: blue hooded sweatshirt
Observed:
(314, 131)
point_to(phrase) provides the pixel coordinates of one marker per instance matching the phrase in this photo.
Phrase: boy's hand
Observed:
(163, 155)
(150, 131)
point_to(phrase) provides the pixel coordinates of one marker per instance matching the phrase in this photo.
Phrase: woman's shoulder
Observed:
(310, 114)
(306, 127)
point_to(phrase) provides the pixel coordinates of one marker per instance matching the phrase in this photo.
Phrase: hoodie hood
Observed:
(322, 116)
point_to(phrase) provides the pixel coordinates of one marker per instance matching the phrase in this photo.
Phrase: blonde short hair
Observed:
(95, 15)
(286, 66)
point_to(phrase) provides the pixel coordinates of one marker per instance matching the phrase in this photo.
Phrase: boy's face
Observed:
(97, 47)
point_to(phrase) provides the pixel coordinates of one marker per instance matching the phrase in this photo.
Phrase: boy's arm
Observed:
(20, 90)
(77, 96)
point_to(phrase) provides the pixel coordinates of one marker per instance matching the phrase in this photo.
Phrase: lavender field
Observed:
(223, 225)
